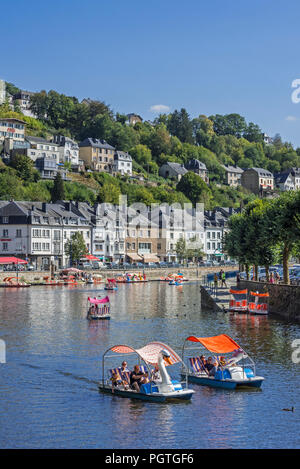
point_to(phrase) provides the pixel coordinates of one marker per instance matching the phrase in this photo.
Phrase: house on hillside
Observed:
(284, 181)
(123, 163)
(233, 175)
(172, 170)
(258, 180)
(97, 154)
(199, 168)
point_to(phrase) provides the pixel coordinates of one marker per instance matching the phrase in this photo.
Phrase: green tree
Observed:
(75, 248)
(24, 167)
(58, 191)
(193, 187)
(181, 249)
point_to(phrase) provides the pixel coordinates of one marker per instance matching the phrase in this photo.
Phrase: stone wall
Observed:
(152, 274)
(284, 300)
(207, 301)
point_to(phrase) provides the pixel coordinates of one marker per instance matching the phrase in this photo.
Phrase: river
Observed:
(48, 385)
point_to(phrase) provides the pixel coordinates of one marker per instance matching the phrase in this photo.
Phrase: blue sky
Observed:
(209, 57)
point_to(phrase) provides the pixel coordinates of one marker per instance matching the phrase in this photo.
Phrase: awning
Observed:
(149, 353)
(150, 258)
(134, 257)
(217, 344)
(97, 301)
(90, 257)
(12, 260)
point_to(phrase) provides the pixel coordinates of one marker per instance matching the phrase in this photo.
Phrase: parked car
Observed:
(151, 265)
(163, 264)
(138, 265)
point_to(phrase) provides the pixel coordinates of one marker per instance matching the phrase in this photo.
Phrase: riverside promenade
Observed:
(191, 273)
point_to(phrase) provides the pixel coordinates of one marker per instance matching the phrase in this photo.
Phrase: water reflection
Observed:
(48, 387)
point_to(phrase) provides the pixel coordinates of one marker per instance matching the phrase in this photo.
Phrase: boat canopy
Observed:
(261, 295)
(216, 344)
(149, 353)
(111, 280)
(97, 301)
(238, 292)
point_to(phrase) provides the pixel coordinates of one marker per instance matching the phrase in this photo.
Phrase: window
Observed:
(5, 233)
(208, 234)
(4, 219)
(158, 246)
(4, 246)
(133, 245)
(208, 245)
(18, 233)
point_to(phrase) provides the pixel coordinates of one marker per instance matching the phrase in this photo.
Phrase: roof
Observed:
(177, 167)
(232, 169)
(40, 140)
(261, 172)
(195, 164)
(95, 142)
(122, 155)
(281, 178)
(12, 119)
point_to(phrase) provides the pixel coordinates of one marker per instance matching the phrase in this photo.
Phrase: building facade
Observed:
(233, 175)
(258, 180)
(97, 154)
(199, 168)
(123, 163)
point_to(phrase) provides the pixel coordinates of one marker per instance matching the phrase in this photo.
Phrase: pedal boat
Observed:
(98, 308)
(237, 371)
(157, 390)
(111, 284)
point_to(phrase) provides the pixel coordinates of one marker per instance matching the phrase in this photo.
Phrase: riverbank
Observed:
(191, 273)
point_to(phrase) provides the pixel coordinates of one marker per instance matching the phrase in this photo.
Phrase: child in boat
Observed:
(114, 381)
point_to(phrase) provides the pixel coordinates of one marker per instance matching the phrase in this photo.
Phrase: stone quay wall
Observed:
(191, 273)
(284, 300)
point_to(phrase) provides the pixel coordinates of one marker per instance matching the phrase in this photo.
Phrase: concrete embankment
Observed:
(151, 274)
(284, 300)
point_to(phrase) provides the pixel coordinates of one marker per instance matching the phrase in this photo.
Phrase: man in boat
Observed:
(137, 378)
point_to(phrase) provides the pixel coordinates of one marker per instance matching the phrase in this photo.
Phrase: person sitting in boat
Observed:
(214, 368)
(115, 381)
(209, 364)
(123, 368)
(222, 361)
(137, 378)
(155, 374)
(203, 362)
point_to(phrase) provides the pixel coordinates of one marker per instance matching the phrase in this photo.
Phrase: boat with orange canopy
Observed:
(232, 368)
(98, 308)
(258, 303)
(238, 301)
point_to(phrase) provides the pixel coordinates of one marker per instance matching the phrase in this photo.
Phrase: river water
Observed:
(48, 385)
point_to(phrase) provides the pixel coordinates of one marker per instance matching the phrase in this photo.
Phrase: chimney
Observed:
(44, 207)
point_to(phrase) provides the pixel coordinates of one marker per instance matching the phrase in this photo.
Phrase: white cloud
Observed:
(159, 108)
(291, 118)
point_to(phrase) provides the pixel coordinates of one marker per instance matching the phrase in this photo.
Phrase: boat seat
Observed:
(196, 364)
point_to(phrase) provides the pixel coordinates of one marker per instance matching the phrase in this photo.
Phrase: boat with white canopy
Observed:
(232, 365)
(160, 387)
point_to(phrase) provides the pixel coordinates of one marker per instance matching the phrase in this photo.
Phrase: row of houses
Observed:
(38, 231)
(50, 156)
(256, 180)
